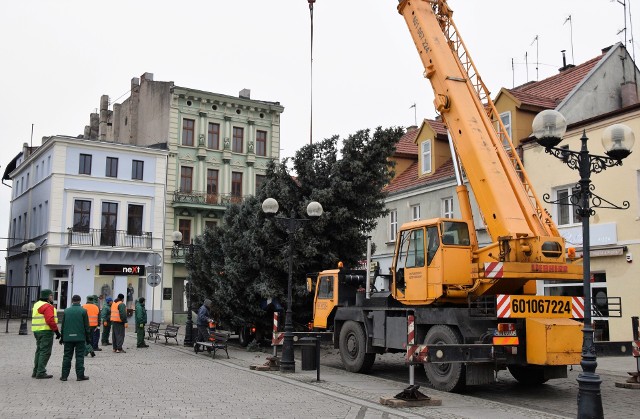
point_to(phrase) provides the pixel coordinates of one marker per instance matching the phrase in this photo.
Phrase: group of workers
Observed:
(80, 330)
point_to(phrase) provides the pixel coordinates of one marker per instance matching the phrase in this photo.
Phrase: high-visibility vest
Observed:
(92, 311)
(38, 323)
(115, 313)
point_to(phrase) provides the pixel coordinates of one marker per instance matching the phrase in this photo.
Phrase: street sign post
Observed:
(154, 259)
(153, 269)
(153, 280)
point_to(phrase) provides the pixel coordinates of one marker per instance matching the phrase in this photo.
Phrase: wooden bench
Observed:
(217, 340)
(171, 332)
(153, 329)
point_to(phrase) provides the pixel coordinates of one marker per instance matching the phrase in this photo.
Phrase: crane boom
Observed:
(463, 100)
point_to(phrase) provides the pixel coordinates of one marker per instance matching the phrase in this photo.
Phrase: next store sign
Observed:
(133, 270)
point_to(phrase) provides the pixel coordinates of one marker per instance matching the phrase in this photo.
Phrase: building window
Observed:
(415, 212)
(210, 224)
(236, 185)
(238, 138)
(212, 186)
(81, 215)
(447, 207)
(85, 164)
(213, 139)
(566, 209)
(134, 220)
(112, 167)
(505, 117)
(186, 179)
(393, 225)
(260, 180)
(109, 224)
(188, 129)
(261, 143)
(137, 170)
(184, 227)
(425, 149)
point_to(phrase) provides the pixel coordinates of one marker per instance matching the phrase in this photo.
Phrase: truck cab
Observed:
(334, 288)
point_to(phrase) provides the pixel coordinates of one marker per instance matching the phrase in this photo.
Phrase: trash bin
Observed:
(308, 349)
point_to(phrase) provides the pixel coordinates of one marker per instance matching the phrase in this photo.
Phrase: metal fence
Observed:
(13, 302)
(106, 237)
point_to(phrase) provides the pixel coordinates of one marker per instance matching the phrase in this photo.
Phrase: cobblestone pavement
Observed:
(173, 381)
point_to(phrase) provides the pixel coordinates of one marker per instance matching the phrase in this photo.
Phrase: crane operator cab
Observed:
(431, 255)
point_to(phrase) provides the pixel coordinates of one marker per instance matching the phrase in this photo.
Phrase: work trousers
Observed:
(44, 343)
(95, 337)
(69, 349)
(140, 334)
(106, 331)
(203, 334)
(118, 335)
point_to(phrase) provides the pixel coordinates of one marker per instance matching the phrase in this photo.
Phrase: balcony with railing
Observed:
(205, 198)
(108, 238)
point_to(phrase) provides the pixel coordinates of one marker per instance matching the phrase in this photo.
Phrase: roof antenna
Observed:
(311, 89)
(526, 64)
(31, 141)
(537, 55)
(513, 75)
(573, 60)
(415, 116)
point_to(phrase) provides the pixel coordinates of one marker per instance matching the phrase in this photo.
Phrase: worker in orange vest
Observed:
(94, 313)
(118, 323)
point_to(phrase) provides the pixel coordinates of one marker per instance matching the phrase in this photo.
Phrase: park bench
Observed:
(153, 329)
(171, 332)
(217, 340)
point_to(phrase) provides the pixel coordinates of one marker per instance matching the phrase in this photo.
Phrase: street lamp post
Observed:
(28, 249)
(291, 224)
(548, 127)
(176, 237)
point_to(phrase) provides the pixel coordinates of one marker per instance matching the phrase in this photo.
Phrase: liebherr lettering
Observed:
(421, 35)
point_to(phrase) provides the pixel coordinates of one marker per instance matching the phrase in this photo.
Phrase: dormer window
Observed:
(425, 152)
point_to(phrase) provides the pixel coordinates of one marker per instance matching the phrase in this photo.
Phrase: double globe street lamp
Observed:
(549, 126)
(291, 225)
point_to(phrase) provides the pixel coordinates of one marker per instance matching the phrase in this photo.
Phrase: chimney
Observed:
(103, 117)
(245, 94)
(628, 93)
(565, 66)
(147, 76)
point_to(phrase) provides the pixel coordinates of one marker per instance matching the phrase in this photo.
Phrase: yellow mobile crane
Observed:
(472, 310)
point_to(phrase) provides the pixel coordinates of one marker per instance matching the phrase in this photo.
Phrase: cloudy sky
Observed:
(59, 57)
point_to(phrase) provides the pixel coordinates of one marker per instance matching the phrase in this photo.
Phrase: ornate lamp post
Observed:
(28, 249)
(176, 237)
(548, 127)
(291, 224)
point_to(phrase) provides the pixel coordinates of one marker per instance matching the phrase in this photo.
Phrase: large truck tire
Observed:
(528, 375)
(445, 377)
(353, 346)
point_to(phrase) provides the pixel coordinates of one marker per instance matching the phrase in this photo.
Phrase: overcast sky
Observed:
(59, 57)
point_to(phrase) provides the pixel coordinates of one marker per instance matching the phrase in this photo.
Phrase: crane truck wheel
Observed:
(245, 336)
(528, 375)
(352, 348)
(444, 377)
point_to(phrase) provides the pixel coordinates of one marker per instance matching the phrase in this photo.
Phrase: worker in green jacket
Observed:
(105, 320)
(75, 336)
(141, 321)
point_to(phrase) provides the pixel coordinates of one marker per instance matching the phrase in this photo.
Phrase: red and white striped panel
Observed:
(493, 270)
(411, 333)
(416, 353)
(635, 348)
(503, 305)
(278, 337)
(577, 307)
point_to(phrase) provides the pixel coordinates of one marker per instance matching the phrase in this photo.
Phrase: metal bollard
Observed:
(318, 337)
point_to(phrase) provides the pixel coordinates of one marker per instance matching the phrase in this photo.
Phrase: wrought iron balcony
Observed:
(194, 197)
(108, 238)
